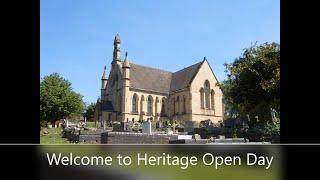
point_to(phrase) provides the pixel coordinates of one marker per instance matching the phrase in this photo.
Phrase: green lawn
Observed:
(53, 137)
(91, 124)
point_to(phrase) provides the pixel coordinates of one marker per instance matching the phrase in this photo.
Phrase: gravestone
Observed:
(104, 124)
(146, 127)
(127, 127)
(184, 136)
(159, 124)
(196, 136)
(189, 127)
(169, 131)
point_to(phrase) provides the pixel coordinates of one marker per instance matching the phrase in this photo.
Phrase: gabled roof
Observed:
(184, 77)
(147, 78)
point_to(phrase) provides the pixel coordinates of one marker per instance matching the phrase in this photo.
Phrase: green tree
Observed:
(89, 112)
(57, 99)
(253, 82)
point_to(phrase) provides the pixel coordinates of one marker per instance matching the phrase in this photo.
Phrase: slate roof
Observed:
(184, 77)
(147, 78)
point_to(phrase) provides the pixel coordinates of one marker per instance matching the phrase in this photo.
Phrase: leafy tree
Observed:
(89, 112)
(253, 83)
(57, 99)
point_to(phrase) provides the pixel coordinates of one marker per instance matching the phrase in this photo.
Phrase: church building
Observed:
(133, 92)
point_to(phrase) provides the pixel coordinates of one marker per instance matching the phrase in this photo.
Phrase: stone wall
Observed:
(198, 82)
(136, 138)
(142, 112)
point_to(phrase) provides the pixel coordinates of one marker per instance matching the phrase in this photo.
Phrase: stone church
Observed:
(133, 92)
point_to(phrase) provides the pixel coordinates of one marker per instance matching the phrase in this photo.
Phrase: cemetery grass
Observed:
(91, 124)
(53, 137)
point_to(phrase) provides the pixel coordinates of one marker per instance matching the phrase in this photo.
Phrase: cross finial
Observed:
(126, 54)
(105, 67)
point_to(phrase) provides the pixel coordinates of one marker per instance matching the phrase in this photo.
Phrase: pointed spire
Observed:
(126, 58)
(104, 76)
(116, 49)
(117, 39)
(126, 61)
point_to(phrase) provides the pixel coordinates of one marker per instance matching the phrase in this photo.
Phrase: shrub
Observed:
(43, 123)
(272, 129)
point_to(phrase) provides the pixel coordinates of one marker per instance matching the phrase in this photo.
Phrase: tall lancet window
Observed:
(150, 101)
(141, 104)
(184, 105)
(178, 105)
(156, 107)
(207, 93)
(173, 105)
(163, 107)
(212, 100)
(135, 100)
(202, 97)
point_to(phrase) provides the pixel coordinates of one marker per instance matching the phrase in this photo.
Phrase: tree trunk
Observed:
(53, 122)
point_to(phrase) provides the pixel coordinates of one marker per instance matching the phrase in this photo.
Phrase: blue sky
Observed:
(76, 36)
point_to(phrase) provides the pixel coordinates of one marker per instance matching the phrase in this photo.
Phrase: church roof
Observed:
(147, 78)
(104, 76)
(184, 77)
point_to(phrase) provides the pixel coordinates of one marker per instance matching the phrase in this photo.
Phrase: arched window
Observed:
(207, 93)
(150, 100)
(202, 97)
(173, 105)
(163, 107)
(212, 100)
(141, 104)
(178, 105)
(135, 100)
(156, 106)
(184, 105)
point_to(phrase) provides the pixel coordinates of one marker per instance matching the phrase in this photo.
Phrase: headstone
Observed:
(159, 124)
(248, 116)
(196, 136)
(100, 120)
(169, 131)
(184, 136)
(127, 127)
(146, 127)
(188, 126)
